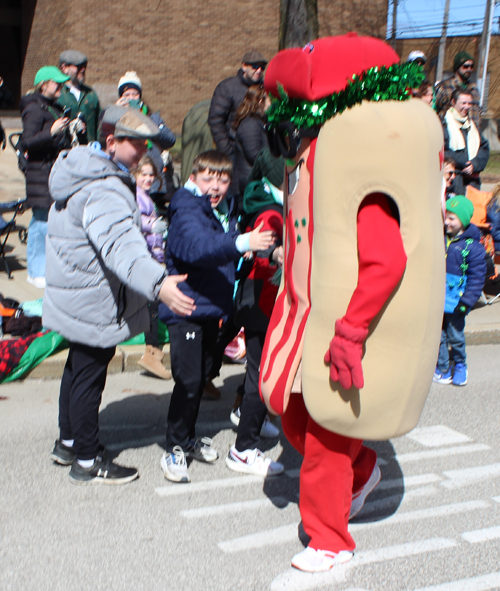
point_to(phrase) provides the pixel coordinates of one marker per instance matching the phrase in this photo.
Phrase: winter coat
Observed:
(251, 138)
(493, 218)
(149, 217)
(476, 270)
(197, 245)
(461, 157)
(99, 271)
(257, 289)
(226, 99)
(38, 114)
(88, 104)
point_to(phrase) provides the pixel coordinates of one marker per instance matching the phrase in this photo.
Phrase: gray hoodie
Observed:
(99, 272)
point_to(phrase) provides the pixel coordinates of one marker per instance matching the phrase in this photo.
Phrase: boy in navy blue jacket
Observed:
(465, 275)
(203, 241)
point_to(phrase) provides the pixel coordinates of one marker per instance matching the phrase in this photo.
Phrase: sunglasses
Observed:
(468, 66)
(257, 66)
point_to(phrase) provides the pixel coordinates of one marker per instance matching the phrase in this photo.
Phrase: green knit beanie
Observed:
(462, 208)
(460, 59)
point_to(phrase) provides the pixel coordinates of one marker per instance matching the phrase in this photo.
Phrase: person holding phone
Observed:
(44, 136)
(77, 96)
(130, 95)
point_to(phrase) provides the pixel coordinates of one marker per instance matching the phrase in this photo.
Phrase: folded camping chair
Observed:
(480, 200)
(6, 227)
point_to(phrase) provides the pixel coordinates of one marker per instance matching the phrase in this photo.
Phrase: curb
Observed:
(125, 360)
(127, 356)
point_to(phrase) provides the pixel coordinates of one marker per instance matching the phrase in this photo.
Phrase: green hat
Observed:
(462, 208)
(50, 73)
(460, 59)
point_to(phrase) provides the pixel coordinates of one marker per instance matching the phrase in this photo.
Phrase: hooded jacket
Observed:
(38, 114)
(99, 271)
(197, 245)
(475, 261)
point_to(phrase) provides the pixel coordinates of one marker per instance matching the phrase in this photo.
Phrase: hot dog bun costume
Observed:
(363, 264)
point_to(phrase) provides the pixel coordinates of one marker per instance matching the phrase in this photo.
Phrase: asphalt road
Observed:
(433, 523)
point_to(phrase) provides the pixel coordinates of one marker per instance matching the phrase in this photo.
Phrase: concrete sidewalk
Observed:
(483, 323)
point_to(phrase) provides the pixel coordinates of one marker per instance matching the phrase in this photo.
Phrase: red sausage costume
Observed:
(364, 260)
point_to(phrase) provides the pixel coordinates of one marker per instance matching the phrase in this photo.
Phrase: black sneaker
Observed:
(102, 472)
(62, 454)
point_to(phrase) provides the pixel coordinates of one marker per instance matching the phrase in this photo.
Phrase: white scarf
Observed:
(456, 124)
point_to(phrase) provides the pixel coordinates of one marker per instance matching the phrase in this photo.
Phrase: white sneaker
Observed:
(201, 449)
(269, 430)
(252, 461)
(235, 416)
(38, 282)
(358, 500)
(316, 561)
(174, 466)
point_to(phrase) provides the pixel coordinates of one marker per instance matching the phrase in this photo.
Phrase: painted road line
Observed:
(397, 500)
(437, 436)
(423, 514)
(440, 453)
(203, 426)
(468, 476)
(482, 535)
(231, 508)
(289, 533)
(270, 537)
(135, 443)
(294, 580)
(480, 583)
(408, 481)
(174, 490)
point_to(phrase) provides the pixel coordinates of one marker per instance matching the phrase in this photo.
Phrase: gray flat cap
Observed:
(254, 57)
(127, 122)
(73, 57)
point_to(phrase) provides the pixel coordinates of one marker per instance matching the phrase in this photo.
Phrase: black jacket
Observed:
(251, 138)
(225, 100)
(461, 157)
(38, 114)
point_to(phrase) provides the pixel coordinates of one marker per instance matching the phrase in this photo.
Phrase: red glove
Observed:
(345, 353)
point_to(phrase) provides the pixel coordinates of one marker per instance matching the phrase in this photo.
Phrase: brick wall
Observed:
(181, 49)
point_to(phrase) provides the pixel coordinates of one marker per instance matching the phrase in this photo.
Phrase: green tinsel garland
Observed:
(376, 84)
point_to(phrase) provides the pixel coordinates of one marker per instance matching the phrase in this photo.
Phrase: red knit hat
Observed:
(325, 66)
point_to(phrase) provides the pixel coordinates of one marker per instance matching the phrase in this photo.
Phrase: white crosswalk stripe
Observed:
(419, 498)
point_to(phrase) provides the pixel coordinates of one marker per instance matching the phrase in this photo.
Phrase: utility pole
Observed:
(394, 22)
(442, 43)
(488, 22)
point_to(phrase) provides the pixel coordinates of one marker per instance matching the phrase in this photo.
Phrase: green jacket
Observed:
(88, 105)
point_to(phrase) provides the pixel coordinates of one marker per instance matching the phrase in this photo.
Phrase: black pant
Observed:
(253, 410)
(226, 334)
(82, 385)
(191, 350)
(151, 336)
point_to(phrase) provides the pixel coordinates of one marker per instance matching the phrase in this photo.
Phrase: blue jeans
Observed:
(453, 335)
(35, 250)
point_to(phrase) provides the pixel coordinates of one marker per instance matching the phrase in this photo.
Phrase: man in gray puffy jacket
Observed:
(99, 278)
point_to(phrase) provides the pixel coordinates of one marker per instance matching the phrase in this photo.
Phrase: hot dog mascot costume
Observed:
(352, 343)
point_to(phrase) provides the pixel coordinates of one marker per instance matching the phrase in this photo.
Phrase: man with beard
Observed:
(463, 66)
(228, 96)
(76, 95)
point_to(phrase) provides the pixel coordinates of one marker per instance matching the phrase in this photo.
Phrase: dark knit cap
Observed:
(462, 208)
(460, 59)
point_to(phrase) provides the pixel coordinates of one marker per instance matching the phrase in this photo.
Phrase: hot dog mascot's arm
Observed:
(382, 262)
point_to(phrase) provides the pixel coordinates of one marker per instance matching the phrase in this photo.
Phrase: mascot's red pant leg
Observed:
(334, 467)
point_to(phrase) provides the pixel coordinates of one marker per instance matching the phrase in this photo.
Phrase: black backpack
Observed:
(16, 141)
